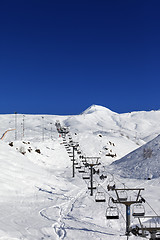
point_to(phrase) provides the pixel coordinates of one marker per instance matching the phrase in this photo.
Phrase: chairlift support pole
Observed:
(127, 204)
(91, 165)
(91, 175)
(128, 219)
(74, 146)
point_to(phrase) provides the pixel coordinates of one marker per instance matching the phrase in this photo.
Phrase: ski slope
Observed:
(39, 198)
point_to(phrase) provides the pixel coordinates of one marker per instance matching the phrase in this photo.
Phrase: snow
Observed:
(39, 198)
(142, 163)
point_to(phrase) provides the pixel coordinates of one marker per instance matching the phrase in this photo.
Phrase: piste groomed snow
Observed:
(41, 200)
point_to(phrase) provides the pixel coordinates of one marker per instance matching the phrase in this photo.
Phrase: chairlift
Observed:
(111, 183)
(95, 171)
(69, 151)
(111, 186)
(84, 160)
(122, 195)
(81, 170)
(100, 197)
(102, 177)
(138, 210)
(86, 176)
(78, 167)
(112, 213)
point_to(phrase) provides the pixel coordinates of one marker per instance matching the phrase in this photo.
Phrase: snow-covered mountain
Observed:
(39, 198)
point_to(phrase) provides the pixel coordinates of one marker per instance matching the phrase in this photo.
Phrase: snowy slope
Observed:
(142, 163)
(40, 200)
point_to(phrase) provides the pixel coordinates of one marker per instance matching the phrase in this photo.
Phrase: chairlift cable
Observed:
(152, 209)
(112, 197)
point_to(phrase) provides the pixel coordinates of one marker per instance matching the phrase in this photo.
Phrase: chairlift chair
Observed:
(69, 151)
(111, 187)
(78, 167)
(138, 210)
(122, 195)
(84, 160)
(81, 170)
(112, 213)
(86, 176)
(100, 197)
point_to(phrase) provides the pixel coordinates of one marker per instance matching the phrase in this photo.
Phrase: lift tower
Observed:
(74, 145)
(91, 162)
(122, 198)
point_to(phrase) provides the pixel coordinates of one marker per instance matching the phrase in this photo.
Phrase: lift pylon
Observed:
(74, 146)
(91, 162)
(122, 199)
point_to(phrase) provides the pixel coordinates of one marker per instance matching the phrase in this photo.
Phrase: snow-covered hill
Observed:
(39, 198)
(142, 163)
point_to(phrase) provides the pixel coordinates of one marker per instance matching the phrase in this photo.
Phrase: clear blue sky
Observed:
(60, 57)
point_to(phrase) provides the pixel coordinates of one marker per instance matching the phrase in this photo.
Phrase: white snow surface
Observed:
(142, 163)
(39, 198)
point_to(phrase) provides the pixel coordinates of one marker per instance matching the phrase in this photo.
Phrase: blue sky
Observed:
(60, 57)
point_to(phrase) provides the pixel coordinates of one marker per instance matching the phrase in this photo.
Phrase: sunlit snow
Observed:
(39, 198)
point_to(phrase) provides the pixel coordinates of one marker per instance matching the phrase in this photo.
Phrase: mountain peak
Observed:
(96, 108)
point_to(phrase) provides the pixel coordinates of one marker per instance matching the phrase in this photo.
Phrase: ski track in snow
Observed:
(62, 210)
